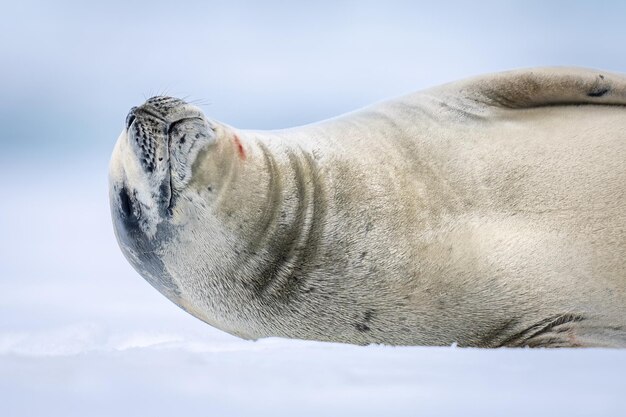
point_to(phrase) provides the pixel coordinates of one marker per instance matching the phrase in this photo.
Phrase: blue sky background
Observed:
(71, 70)
(82, 334)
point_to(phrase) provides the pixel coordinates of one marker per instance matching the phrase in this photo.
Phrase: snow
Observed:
(167, 375)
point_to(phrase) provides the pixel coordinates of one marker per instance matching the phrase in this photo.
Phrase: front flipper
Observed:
(568, 330)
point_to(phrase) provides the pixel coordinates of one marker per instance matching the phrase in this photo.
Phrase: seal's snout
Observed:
(152, 161)
(163, 127)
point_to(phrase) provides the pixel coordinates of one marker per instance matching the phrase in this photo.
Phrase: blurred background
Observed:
(82, 334)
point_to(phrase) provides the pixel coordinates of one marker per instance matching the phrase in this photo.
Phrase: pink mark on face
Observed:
(240, 150)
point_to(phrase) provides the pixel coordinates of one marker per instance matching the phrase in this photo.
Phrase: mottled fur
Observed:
(488, 212)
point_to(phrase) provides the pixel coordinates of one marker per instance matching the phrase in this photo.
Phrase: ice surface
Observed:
(288, 378)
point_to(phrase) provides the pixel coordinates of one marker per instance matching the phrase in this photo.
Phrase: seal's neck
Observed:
(265, 212)
(287, 234)
(274, 202)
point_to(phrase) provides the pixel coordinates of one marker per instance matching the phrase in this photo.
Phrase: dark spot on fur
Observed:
(598, 91)
(363, 254)
(367, 318)
(362, 327)
(601, 76)
(209, 189)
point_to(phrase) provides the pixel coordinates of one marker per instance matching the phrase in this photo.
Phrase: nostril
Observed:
(130, 118)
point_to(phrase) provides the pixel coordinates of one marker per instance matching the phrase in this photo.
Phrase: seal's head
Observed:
(185, 197)
(150, 170)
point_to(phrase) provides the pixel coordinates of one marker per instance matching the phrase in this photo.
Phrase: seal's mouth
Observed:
(175, 140)
(170, 190)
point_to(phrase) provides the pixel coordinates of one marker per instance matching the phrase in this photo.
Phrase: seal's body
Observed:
(489, 212)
